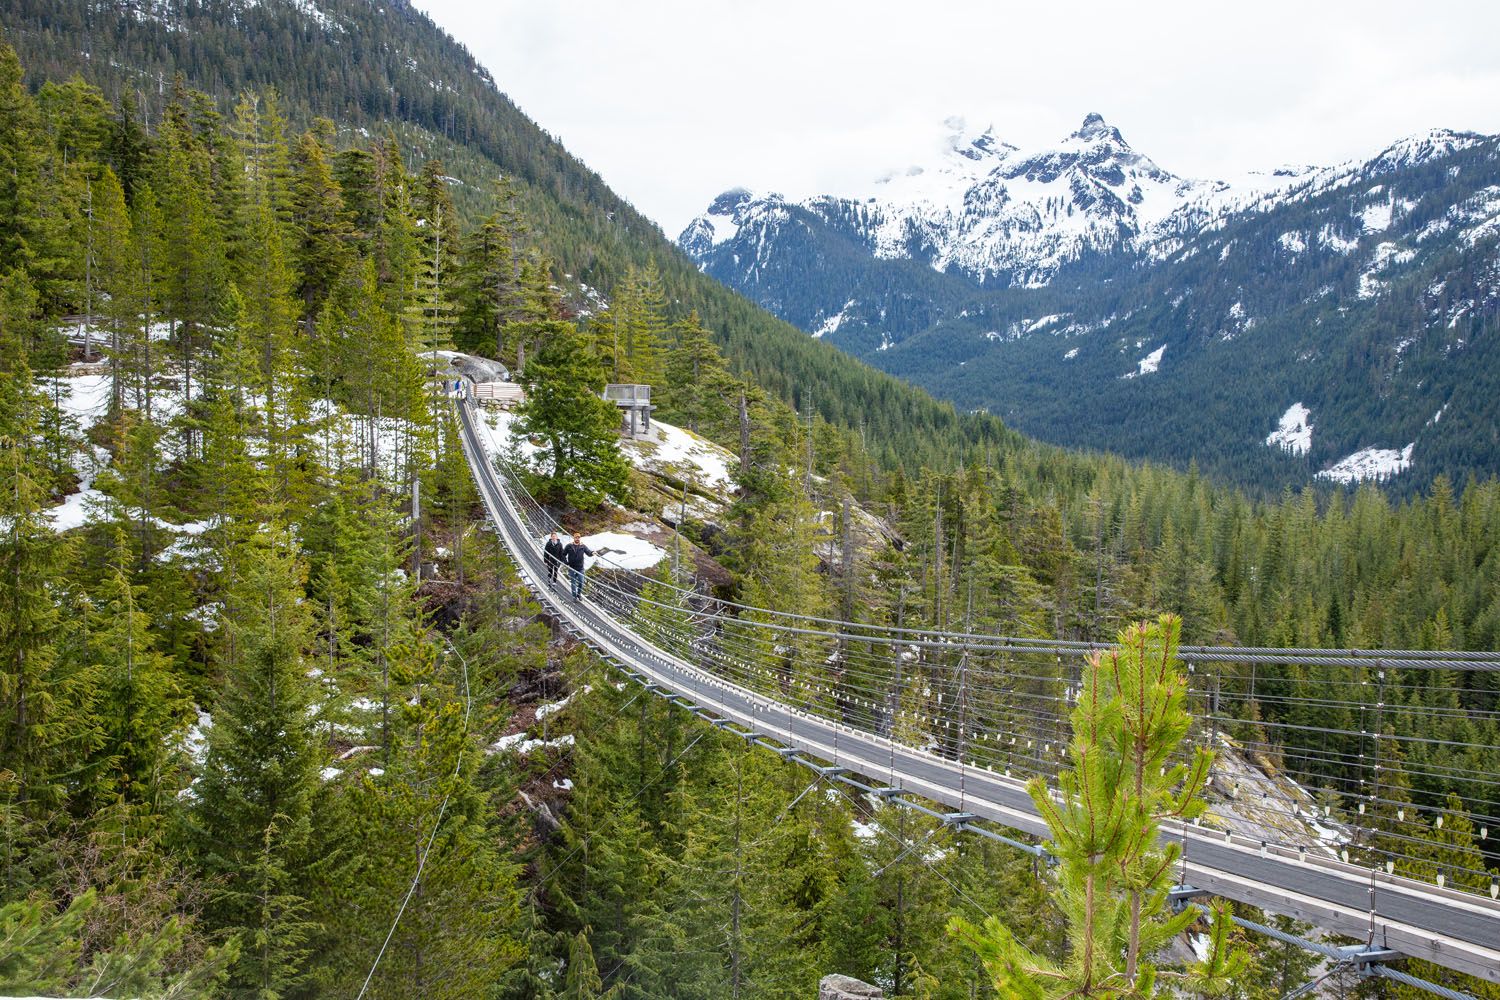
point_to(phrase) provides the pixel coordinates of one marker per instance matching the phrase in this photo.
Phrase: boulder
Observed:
(845, 988)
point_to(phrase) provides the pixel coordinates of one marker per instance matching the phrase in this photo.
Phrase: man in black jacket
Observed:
(574, 554)
(552, 554)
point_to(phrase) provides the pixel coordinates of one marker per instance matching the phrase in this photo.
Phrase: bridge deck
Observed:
(1453, 929)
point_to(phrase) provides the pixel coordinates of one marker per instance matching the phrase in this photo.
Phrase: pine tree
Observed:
(46, 726)
(744, 848)
(1276, 968)
(423, 807)
(268, 324)
(20, 141)
(430, 303)
(488, 286)
(581, 980)
(632, 334)
(319, 220)
(1114, 871)
(113, 274)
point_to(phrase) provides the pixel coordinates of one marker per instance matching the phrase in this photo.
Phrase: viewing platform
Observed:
(634, 403)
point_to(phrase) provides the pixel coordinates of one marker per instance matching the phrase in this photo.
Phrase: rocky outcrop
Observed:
(846, 988)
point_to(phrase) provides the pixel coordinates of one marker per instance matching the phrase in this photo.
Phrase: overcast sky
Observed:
(673, 101)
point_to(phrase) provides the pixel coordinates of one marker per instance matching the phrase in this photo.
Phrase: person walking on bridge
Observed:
(574, 555)
(552, 555)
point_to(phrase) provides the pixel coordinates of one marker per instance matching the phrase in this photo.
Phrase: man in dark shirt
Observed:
(573, 555)
(552, 554)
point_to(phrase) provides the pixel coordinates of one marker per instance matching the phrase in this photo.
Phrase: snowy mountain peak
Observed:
(975, 146)
(1095, 128)
(726, 203)
(1425, 146)
(994, 212)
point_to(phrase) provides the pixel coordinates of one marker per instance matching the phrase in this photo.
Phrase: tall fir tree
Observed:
(564, 407)
(253, 817)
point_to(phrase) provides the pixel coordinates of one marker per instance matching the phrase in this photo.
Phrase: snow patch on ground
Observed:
(1149, 364)
(553, 707)
(1292, 242)
(1329, 238)
(1294, 432)
(518, 743)
(615, 550)
(1386, 255)
(1369, 464)
(1037, 324)
(1071, 354)
(1376, 218)
(83, 398)
(681, 454)
(832, 323)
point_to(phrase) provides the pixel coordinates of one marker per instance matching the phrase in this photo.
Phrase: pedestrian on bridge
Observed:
(552, 555)
(574, 555)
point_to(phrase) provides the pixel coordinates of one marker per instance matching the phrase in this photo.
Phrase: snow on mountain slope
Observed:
(1197, 301)
(1294, 433)
(1377, 464)
(990, 210)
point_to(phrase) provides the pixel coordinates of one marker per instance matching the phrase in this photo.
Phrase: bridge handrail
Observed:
(1480, 660)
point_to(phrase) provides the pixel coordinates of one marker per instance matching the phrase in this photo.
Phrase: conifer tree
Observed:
(114, 275)
(565, 408)
(1114, 871)
(581, 980)
(44, 712)
(698, 389)
(140, 704)
(20, 141)
(319, 220)
(253, 818)
(267, 322)
(633, 332)
(744, 846)
(488, 286)
(455, 937)
(193, 265)
(430, 301)
(779, 565)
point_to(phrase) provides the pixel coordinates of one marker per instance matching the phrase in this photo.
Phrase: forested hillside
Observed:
(375, 68)
(248, 688)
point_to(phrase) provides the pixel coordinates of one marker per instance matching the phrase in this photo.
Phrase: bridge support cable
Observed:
(436, 825)
(722, 649)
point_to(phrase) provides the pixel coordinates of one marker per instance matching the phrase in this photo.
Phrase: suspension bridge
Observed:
(954, 725)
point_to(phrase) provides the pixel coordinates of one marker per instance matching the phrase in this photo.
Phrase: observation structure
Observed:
(634, 404)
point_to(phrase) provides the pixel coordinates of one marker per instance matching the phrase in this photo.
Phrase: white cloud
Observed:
(674, 101)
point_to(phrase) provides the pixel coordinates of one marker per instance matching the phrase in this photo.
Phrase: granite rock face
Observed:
(837, 987)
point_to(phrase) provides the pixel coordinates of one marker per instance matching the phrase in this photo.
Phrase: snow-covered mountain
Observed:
(1363, 295)
(991, 211)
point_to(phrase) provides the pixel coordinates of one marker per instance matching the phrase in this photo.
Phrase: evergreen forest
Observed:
(272, 709)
